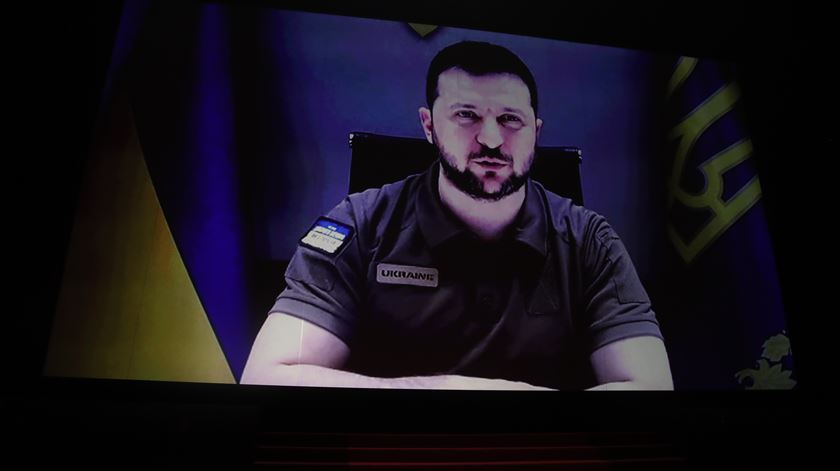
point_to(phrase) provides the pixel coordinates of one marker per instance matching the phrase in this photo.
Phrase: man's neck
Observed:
(487, 219)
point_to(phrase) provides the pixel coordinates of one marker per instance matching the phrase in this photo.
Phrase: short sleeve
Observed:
(616, 304)
(325, 287)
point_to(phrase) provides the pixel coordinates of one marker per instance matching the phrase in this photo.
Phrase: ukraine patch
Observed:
(327, 236)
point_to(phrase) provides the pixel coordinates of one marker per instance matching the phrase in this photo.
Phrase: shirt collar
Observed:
(438, 224)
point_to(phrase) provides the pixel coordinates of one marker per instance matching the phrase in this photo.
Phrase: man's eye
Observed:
(511, 121)
(508, 118)
(466, 115)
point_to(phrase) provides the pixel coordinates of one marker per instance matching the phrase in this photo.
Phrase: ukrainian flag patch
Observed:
(327, 236)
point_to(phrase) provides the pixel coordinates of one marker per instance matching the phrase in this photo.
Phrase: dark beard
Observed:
(471, 184)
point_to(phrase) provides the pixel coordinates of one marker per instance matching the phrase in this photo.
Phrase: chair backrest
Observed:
(378, 159)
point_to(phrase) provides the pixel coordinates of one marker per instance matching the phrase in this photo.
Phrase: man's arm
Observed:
(636, 363)
(293, 352)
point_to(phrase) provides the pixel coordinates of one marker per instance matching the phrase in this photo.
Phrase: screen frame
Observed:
(649, 28)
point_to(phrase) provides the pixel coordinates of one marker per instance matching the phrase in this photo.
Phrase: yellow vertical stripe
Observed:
(127, 308)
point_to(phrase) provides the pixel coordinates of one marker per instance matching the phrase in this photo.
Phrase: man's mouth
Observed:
(490, 163)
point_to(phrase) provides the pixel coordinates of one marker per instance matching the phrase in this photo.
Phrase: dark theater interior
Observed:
(167, 159)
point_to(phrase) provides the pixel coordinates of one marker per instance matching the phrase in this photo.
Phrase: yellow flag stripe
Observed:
(127, 307)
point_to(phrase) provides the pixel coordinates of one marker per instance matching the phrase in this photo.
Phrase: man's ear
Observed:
(539, 127)
(426, 122)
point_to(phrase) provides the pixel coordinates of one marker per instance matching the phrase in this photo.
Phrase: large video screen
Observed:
(304, 199)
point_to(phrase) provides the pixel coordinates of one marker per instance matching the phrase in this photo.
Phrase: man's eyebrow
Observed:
(473, 107)
(514, 110)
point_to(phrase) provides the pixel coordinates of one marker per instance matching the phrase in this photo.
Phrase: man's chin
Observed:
(492, 184)
(492, 189)
(486, 185)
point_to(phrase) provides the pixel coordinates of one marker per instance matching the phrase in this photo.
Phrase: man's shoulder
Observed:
(386, 195)
(569, 220)
(383, 194)
(374, 206)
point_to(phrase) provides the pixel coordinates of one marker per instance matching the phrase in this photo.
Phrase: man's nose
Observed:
(490, 134)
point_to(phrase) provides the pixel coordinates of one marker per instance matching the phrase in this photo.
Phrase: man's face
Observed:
(485, 130)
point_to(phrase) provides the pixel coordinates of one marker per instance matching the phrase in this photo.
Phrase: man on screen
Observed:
(468, 276)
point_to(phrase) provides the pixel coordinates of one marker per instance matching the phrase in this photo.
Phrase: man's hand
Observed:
(292, 352)
(472, 383)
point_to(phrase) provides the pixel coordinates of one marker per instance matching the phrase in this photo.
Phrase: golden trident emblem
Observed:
(725, 213)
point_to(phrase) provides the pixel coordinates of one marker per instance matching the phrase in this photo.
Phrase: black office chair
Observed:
(378, 159)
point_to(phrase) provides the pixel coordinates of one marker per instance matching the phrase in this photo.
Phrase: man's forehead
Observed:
(457, 86)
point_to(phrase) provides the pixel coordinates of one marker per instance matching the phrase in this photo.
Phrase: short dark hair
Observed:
(478, 58)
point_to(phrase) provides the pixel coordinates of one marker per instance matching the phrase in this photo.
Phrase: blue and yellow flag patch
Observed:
(327, 236)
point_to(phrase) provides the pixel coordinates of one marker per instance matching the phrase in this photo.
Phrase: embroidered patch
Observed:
(406, 275)
(327, 236)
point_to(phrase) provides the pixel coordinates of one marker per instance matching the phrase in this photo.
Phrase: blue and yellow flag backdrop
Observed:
(721, 301)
